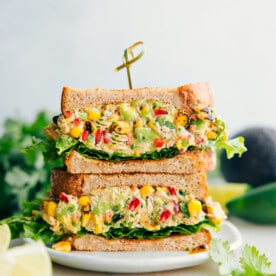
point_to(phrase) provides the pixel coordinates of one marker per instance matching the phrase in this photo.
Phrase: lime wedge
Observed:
(5, 237)
(222, 193)
(26, 260)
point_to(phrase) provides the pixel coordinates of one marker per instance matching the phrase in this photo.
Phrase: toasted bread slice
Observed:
(182, 97)
(187, 163)
(83, 184)
(190, 242)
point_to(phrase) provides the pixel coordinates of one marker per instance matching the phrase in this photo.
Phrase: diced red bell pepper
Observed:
(98, 136)
(77, 121)
(106, 139)
(68, 113)
(85, 135)
(63, 197)
(194, 116)
(172, 190)
(134, 203)
(165, 215)
(158, 142)
(159, 112)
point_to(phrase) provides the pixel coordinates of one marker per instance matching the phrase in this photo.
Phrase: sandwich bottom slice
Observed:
(132, 217)
(193, 243)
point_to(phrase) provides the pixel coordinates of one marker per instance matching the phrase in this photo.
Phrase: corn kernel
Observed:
(50, 208)
(122, 127)
(67, 221)
(151, 124)
(136, 152)
(93, 115)
(146, 190)
(45, 205)
(211, 135)
(194, 207)
(202, 116)
(178, 144)
(94, 128)
(84, 201)
(86, 217)
(181, 119)
(149, 225)
(144, 108)
(113, 118)
(137, 124)
(63, 246)
(98, 224)
(76, 132)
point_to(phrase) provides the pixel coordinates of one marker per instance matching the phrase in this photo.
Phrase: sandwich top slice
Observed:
(146, 123)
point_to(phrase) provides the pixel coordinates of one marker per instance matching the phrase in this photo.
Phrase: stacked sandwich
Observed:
(135, 169)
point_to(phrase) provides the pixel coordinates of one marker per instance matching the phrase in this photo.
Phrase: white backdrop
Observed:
(45, 45)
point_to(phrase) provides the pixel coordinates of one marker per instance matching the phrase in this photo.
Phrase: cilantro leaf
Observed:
(252, 261)
(24, 175)
(221, 254)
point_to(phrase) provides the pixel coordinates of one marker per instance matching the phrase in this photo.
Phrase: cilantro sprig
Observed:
(23, 176)
(250, 263)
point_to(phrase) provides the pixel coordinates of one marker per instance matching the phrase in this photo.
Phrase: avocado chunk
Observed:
(128, 112)
(144, 134)
(257, 166)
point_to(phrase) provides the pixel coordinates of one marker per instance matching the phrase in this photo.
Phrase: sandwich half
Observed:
(98, 128)
(131, 212)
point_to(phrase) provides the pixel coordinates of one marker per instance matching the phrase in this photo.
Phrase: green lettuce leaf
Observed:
(26, 225)
(141, 233)
(102, 155)
(232, 146)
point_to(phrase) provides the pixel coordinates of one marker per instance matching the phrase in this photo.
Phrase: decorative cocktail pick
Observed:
(129, 58)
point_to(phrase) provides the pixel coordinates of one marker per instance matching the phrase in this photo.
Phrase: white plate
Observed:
(138, 262)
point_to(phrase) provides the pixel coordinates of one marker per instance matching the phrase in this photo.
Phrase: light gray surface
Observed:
(46, 45)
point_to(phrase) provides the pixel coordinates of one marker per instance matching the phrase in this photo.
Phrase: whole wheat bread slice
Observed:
(173, 243)
(83, 184)
(200, 94)
(190, 162)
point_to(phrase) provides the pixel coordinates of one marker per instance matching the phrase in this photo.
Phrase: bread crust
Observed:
(83, 184)
(181, 97)
(175, 242)
(190, 162)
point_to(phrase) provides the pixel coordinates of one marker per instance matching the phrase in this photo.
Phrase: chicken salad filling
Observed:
(135, 128)
(146, 208)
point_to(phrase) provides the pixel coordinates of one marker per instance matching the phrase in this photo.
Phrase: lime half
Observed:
(222, 193)
(28, 260)
(5, 237)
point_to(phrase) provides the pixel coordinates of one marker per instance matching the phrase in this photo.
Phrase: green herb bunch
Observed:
(23, 177)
